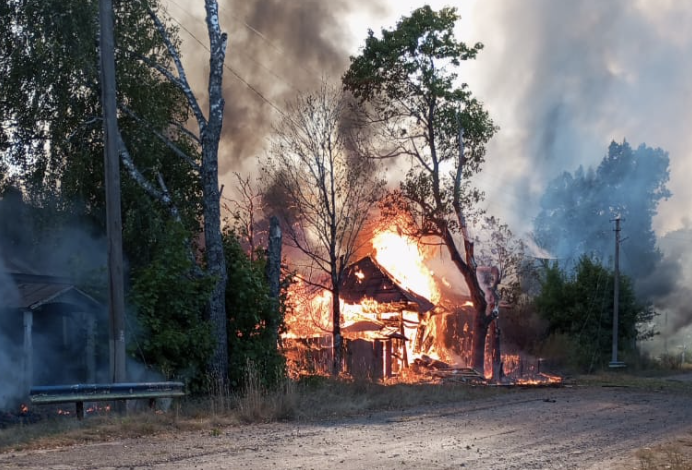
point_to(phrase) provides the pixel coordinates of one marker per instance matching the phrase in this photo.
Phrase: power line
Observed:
(247, 56)
(227, 67)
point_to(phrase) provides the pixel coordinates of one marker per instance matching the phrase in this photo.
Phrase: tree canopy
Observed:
(577, 208)
(52, 133)
(408, 80)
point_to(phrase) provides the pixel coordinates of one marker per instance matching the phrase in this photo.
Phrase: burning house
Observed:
(399, 320)
(395, 316)
(381, 313)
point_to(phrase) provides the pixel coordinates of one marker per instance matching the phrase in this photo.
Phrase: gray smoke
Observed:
(672, 282)
(563, 79)
(10, 354)
(279, 48)
(59, 330)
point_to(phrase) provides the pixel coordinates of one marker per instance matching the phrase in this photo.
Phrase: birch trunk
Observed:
(210, 136)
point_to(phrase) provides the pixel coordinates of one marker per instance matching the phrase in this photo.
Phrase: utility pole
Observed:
(116, 290)
(614, 363)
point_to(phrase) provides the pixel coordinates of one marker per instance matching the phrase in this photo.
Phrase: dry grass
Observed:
(672, 456)
(313, 398)
(641, 382)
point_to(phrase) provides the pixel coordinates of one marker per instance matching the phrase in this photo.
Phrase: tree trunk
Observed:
(498, 372)
(480, 333)
(481, 320)
(273, 274)
(216, 267)
(338, 345)
(210, 136)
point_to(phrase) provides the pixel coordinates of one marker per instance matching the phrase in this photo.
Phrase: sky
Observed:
(562, 79)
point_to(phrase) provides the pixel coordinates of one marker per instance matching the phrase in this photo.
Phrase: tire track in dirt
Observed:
(575, 428)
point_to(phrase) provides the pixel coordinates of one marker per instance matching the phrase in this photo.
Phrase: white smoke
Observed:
(10, 354)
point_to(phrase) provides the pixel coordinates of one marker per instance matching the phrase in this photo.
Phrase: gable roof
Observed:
(366, 279)
(34, 289)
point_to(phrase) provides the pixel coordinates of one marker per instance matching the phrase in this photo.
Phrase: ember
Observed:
(23, 415)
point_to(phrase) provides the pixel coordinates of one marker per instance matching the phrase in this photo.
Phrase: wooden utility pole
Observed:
(116, 291)
(614, 363)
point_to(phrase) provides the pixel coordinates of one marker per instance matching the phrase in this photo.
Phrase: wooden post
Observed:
(273, 273)
(116, 307)
(28, 351)
(615, 363)
(404, 353)
(90, 349)
(65, 331)
(388, 358)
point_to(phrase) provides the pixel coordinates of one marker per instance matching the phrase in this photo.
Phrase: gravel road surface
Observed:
(570, 428)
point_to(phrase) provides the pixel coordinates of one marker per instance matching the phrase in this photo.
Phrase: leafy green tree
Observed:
(577, 208)
(252, 317)
(170, 303)
(579, 307)
(52, 129)
(407, 79)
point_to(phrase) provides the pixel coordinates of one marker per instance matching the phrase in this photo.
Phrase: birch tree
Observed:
(208, 135)
(52, 127)
(325, 187)
(408, 80)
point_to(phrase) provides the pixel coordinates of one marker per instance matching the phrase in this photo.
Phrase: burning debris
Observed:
(400, 322)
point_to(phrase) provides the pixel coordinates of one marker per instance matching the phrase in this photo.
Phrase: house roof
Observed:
(35, 295)
(366, 279)
(35, 290)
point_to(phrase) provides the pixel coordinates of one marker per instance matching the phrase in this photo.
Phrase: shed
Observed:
(58, 321)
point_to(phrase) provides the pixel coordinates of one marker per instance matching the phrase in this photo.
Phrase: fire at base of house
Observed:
(391, 333)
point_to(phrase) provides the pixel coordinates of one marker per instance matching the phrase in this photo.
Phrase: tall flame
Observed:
(401, 257)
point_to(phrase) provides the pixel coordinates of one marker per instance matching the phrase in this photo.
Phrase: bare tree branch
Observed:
(181, 81)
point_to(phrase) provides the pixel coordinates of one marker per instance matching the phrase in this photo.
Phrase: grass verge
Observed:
(313, 398)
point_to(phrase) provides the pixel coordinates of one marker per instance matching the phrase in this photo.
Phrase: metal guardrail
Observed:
(80, 393)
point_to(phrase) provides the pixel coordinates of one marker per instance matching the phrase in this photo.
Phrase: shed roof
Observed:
(35, 290)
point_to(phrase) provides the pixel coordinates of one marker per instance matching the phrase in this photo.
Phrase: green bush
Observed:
(579, 310)
(254, 319)
(169, 300)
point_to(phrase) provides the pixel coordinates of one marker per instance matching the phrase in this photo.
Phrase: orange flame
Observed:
(401, 257)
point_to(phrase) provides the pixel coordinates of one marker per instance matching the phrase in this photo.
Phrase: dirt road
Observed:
(571, 428)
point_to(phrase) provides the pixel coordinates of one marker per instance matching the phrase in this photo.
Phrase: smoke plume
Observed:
(11, 383)
(59, 329)
(276, 49)
(563, 79)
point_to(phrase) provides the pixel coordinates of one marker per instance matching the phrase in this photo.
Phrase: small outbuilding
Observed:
(48, 328)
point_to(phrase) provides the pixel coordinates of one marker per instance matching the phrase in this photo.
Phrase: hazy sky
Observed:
(561, 79)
